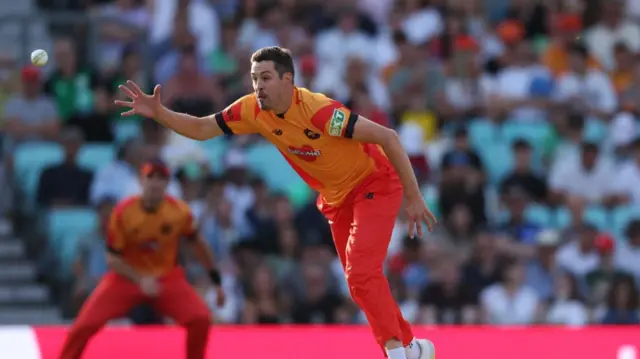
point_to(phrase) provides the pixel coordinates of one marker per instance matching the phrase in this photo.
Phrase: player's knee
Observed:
(357, 280)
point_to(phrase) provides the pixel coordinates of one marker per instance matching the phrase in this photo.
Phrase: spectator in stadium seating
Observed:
(96, 126)
(90, 264)
(598, 281)
(612, 28)
(409, 265)
(462, 92)
(120, 178)
(318, 304)
(566, 29)
(510, 301)
(71, 85)
(625, 190)
(223, 231)
(408, 305)
(66, 184)
(197, 17)
(289, 248)
(622, 304)
(455, 234)
(126, 22)
(130, 69)
(446, 300)
(422, 21)
(523, 175)
(580, 256)
(518, 227)
(262, 302)
(520, 91)
(583, 179)
(190, 179)
(191, 91)
(462, 179)
(30, 115)
(623, 74)
(627, 254)
(566, 307)
(541, 270)
(224, 62)
(584, 90)
(312, 225)
(238, 190)
(332, 65)
(485, 265)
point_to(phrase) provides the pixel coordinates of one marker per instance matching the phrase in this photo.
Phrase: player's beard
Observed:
(263, 105)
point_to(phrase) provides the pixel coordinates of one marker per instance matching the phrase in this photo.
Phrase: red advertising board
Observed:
(284, 342)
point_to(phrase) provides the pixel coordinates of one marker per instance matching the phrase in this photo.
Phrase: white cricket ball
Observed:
(39, 57)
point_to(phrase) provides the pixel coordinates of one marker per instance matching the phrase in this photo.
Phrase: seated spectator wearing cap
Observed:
(598, 282)
(580, 256)
(31, 115)
(66, 184)
(523, 176)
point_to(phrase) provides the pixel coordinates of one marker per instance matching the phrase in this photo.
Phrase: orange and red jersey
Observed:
(149, 241)
(314, 136)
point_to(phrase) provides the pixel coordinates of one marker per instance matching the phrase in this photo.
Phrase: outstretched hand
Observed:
(141, 104)
(418, 212)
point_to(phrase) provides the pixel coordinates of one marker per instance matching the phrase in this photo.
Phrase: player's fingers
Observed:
(123, 103)
(411, 227)
(128, 113)
(127, 91)
(428, 220)
(419, 228)
(156, 91)
(135, 88)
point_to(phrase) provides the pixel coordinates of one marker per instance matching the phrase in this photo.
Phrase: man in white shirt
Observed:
(585, 90)
(626, 182)
(627, 255)
(586, 177)
(580, 256)
(612, 29)
(335, 46)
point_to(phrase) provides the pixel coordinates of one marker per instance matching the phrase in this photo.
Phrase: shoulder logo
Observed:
(311, 135)
(337, 123)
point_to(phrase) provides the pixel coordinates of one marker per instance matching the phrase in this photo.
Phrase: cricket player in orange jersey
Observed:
(144, 236)
(359, 168)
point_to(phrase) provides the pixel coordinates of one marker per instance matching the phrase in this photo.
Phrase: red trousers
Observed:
(115, 296)
(361, 227)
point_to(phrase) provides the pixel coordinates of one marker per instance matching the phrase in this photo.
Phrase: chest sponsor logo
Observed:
(305, 153)
(311, 135)
(338, 120)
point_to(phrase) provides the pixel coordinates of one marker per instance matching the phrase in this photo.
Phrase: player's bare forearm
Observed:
(118, 265)
(370, 132)
(204, 254)
(197, 128)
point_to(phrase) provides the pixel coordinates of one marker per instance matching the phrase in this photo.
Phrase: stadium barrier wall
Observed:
(289, 342)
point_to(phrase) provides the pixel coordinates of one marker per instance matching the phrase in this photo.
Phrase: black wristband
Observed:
(214, 275)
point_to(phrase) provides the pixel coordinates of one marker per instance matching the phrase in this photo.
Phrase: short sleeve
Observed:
(115, 232)
(334, 119)
(238, 118)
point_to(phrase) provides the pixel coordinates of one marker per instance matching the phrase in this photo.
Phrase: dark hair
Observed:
(589, 147)
(507, 265)
(577, 48)
(575, 121)
(521, 144)
(281, 58)
(633, 228)
(574, 290)
(620, 281)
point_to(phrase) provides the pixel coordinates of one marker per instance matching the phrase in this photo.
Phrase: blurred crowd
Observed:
(520, 118)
